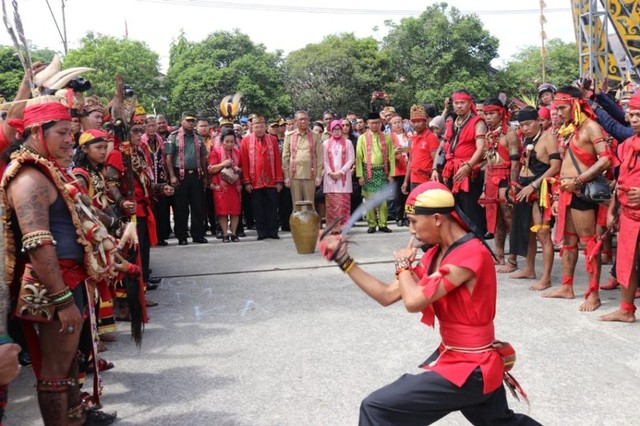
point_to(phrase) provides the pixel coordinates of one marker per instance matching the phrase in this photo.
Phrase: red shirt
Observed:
(422, 147)
(261, 162)
(466, 145)
(401, 159)
(465, 319)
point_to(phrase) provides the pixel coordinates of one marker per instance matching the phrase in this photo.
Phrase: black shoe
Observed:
(163, 243)
(151, 286)
(275, 237)
(234, 238)
(399, 223)
(100, 418)
(371, 230)
(182, 241)
(488, 236)
(264, 237)
(219, 235)
(154, 280)
(201, 240)
(405, 222)
(226, 239)
(24, 358)
(242, 234)
(384, 229)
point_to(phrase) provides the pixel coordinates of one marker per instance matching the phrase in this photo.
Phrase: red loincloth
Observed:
(494, 175)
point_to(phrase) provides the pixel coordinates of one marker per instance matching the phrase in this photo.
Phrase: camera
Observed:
(128, 91)
(79, 84)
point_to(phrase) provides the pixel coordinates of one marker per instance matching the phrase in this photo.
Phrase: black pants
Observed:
(468, 203)
(265, 211)
(285, 208)
(189, 199)
(247, 209)
(422, 399)
(210, 219)
(356, 195)
(401, 197)
(161, 210)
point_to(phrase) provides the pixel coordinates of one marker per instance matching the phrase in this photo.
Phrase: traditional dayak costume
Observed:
(262, 170)
(498, 168)
(629, 219)
(580, 111)
(466, 372)
(84, 249)
(375, 162)
(227, 194)
(460, 146)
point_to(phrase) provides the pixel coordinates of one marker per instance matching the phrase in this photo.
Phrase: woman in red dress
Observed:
(223, 167)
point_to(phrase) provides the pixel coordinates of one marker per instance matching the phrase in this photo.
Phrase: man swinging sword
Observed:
(576, 217)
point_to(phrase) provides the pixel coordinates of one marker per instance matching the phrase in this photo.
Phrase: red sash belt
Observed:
(466, 337)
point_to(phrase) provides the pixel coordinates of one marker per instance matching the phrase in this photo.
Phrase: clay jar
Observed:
(305, 225)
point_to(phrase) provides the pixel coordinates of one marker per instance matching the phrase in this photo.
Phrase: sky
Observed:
(287, 25)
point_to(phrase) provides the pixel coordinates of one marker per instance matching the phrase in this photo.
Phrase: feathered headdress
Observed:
(230, 108)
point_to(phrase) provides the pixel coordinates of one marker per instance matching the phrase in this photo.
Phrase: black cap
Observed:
(188, 115)
(374, 116)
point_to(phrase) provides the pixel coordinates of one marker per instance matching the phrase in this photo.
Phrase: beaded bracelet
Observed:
(64, 305)
(347, 264)
(62, 292)
(33, 240)
(62, 299)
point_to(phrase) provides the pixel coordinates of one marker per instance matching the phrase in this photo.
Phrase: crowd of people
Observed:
(89, 188)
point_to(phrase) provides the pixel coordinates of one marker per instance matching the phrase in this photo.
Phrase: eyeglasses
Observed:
(137, 130)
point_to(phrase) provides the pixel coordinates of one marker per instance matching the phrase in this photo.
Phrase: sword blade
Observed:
(374, 201)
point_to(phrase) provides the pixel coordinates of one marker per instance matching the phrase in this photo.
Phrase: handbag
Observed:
(34, 303)
(596, 190)
(229, 175)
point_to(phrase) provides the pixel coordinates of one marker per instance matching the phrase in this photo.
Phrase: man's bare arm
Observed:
(594, 132)
(30, 195)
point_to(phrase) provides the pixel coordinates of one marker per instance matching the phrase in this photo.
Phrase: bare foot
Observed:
(562, 292)
(499, 259)
(606, 259)
(543, 284)
(523, 274)
(612, 284)
(591, 304)
(619, 315)
(507, 267)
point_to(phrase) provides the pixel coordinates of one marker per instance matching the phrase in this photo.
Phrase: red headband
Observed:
(634, 101)
(40, 114)
(461, 97)
(563, 99)
(504, 113)
(544, 113)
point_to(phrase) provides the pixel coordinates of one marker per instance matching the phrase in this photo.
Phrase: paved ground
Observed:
(254, 334)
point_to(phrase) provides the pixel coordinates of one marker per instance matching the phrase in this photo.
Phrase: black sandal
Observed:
(100, 418)
(234, 238)
(226, 239)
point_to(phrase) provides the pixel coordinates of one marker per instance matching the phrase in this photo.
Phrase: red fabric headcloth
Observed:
(40, 114)
(466, 98)
(504, 113)
(544, 113)
(634, 101)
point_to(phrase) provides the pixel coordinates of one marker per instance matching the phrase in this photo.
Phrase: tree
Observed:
(11, 71)
(523, 73)
(339, 73)
(134, 60)
(437, 52)
(200, 74)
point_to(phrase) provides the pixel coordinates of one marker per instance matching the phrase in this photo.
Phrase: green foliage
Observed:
(438, 52)
(11, 71)
(137, 64)
(339, 73)
(523, 74)
(202, 73)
